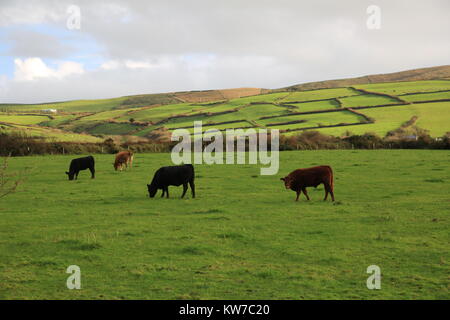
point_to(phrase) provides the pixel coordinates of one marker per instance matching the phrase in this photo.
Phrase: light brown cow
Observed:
(299, 179)
(123, 158)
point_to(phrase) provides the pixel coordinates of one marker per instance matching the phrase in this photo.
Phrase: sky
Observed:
(57, 50)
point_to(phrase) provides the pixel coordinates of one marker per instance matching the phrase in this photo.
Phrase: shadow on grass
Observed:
(80, 245)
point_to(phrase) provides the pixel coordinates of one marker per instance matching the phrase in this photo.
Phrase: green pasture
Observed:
(58, 120)
(69, 106)
(242, 237)
(432, 116)
(316, 119)
(398, 88)
(22, 119)
(50, 134)
(108, 115)
(155, 114)
(269, 98)
(426, 96)
(320, 94)
(314, 106)
(366, 100)
(99, 127)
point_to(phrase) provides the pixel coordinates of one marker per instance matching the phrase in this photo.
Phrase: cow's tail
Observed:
(331, 179)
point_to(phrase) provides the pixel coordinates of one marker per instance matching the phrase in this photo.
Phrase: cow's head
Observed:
(71, 175)
(151, 190)
(287, 182)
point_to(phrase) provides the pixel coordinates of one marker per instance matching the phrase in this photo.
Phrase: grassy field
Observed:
(69, 106)
(433, 116)
(314, 120)
(50, 134)
(320, 94)
(398, 88)
(426, 96)
(113, 128)
(243, 237)
(366, 100)
(160, 113)
(22, 119)
(314, 106)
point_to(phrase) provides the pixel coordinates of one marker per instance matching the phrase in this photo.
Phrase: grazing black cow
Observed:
(76, 165)
(172, 176)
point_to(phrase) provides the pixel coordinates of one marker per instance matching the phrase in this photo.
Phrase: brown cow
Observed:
(123, 158)
(299, 179)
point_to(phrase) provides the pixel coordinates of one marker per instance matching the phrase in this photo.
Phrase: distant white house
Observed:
(50, 110)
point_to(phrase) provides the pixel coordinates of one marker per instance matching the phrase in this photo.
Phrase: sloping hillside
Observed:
(357, 108)
(432, 73)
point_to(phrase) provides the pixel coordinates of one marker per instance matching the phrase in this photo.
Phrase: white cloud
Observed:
(34, 68)
(130, 64)
(137, 64)
(29, 12)
(110, 65)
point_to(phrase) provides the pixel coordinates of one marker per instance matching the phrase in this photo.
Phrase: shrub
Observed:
(8, 181)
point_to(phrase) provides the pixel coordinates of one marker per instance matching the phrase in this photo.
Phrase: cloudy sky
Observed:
(113, 48)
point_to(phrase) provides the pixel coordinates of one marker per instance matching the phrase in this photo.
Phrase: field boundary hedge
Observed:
(16, 144)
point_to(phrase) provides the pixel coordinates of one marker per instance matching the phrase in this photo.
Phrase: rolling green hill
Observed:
(357, 106)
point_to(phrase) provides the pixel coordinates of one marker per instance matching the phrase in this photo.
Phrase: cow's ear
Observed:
(67, 172)
(148, 185)
(282, 179)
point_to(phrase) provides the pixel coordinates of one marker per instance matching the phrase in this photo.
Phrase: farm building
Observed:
(50, 110)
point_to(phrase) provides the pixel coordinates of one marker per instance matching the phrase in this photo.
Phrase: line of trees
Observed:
(313, 140)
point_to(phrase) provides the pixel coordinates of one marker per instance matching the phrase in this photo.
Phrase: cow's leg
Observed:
(192, 185)
(76, 175)
(305, 193)
(92, 173)
(185, 187)
(167, 192)
(298, 194)
(164, 191)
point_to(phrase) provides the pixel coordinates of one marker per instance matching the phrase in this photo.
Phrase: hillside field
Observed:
(363, 108)
(242, 237)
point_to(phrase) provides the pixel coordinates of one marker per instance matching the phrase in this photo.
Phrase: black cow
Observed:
(172, 176)
(76, 165)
